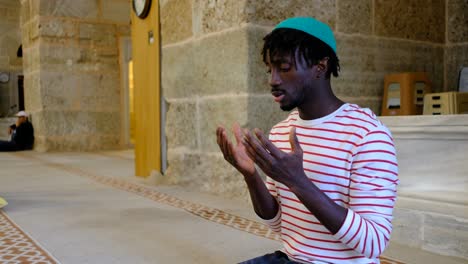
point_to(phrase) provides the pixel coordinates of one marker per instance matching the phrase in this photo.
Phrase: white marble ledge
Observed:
(436, 206)
(432, 153)
(438, 127)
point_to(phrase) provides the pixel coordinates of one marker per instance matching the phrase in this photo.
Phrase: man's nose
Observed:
(275, 79)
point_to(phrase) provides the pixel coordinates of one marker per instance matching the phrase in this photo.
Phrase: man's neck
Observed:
(318, 104)
(320, 110)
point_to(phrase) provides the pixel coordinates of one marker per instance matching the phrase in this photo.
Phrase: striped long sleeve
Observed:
(372, 195)
(275, 222)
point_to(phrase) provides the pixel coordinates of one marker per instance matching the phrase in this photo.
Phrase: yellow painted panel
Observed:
(131, 105)
(146, 77)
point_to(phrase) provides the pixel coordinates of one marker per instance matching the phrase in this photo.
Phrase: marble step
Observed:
(435, 227)
(411, 255)
(431, 212)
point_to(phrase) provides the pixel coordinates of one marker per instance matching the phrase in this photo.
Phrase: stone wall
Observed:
(10, 40)
(456, 50)
(72, 71)
(212, 72)
(206, 62)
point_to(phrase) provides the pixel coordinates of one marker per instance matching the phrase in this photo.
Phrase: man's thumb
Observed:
(295, 146)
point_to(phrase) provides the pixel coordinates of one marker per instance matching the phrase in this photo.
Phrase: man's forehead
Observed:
(278, 56)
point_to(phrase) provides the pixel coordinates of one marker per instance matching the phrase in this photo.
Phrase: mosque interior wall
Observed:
(212, 72)
(456, 45)
(72, 71)
(10, 63)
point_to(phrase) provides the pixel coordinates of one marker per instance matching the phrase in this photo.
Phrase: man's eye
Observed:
(285, 69)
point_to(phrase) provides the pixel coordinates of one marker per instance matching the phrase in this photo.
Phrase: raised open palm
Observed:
(235, 154)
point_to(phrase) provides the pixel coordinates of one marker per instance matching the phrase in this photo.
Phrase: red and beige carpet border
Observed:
(18, 247)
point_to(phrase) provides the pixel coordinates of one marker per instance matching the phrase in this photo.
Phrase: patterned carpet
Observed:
(17, 247)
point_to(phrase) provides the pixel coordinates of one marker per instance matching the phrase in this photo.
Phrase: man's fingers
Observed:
(261, 163)
(237, 132)
(224, 144)
(225, 141)
(250, 151)
(258, 150)
(219, 131)
(230, 151)
(295, 146)
(218, 135)
(222, 139)
(266, 143)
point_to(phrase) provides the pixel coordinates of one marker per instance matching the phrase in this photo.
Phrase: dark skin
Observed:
(308, 89)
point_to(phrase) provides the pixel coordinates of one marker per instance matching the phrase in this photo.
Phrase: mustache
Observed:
(277, 90)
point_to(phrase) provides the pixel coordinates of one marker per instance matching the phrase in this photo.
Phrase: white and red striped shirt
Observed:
(350, 156)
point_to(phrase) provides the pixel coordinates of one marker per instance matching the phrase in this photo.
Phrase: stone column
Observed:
(205, 81)
(72, 72)
(10, 40)
(456, 50)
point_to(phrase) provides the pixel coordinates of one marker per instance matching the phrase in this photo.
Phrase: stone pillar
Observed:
(205, 80)
(72, 72)
(10, 40)
(456, 50)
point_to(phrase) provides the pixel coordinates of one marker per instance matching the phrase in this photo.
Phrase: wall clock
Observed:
(141, 7)
(4, 77)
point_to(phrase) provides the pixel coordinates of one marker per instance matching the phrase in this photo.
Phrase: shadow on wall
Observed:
(262, 111)
(10, 101)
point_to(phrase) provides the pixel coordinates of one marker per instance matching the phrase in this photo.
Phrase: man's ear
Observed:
(322, 66)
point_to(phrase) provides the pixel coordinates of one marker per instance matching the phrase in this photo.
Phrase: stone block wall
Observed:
(207, 61)
(212, 71)
(456, 50)
(10, 36)
(10, 40)
(72, 71)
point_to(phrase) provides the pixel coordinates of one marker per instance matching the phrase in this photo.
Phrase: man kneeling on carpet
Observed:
(22, 135)
(330, 166)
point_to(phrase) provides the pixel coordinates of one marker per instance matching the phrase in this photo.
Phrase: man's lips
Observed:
(278, 95)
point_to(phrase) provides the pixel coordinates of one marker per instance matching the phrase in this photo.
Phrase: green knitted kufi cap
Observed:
(312, 27)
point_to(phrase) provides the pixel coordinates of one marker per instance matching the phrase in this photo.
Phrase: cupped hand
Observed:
(283, 167)
(235, 154)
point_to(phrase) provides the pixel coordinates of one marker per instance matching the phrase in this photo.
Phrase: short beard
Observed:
(288, 108)
(297, 102)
